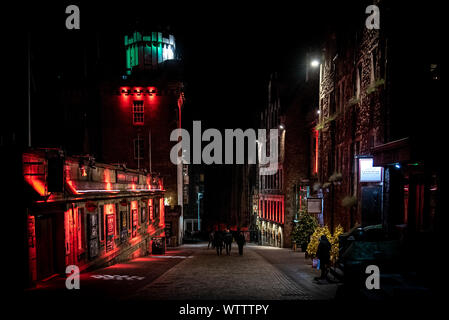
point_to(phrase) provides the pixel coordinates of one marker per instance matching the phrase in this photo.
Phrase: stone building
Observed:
(376, 165)
(281, 195)
(351, 122)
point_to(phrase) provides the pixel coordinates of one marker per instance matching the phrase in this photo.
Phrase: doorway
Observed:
(45, 253)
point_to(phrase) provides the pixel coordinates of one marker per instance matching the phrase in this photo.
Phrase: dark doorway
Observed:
(371, 205)
(45, 252)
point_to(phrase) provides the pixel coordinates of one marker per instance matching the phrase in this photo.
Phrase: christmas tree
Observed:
(304, 228)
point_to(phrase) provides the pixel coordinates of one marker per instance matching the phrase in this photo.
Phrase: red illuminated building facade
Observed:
(271, 209)
(140, 111)
(88, 214)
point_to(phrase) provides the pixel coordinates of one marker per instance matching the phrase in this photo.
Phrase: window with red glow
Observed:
(277, 212)
(150, 209)
(143, 215)
(156, 207)
(80, 230)
(138, 112)
(264, 208)
(134, 219)
(102, 231)
(282, 212)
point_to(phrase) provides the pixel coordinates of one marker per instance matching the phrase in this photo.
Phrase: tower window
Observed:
(138, 112)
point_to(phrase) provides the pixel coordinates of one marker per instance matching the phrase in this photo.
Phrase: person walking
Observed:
(240, 241)
(218, 241)
(323, 253)
(228, 241)
(211, 240)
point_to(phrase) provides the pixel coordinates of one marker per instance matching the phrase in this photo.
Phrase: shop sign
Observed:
(110, 232)
(314, 205)
(368, 173)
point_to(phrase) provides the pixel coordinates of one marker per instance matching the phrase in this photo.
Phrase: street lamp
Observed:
(315, 63)
(200, 196)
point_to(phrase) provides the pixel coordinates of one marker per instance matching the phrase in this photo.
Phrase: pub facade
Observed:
(88, 214)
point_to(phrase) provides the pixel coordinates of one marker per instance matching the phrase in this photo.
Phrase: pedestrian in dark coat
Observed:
(211, 240)
(228, 241)
(240, 242)
(218, 242)
(323, 253)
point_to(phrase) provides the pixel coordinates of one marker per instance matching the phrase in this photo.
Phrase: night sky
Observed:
(228, 50)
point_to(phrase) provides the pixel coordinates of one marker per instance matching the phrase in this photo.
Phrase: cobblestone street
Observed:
(262, 273)
(194, 272)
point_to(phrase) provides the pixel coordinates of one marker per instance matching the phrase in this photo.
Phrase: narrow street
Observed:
(194, 272)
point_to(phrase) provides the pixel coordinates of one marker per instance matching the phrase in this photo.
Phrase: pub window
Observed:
(102, 231)
(81, 230)
(156, 209)
(117, 219)
(143, 215)
(138, 112)
(265, 209)
(128, 217)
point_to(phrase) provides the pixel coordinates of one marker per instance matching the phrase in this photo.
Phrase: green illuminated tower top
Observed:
(144, 52)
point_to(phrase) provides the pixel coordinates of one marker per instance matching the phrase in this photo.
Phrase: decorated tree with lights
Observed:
(304, 228)
(334, 240)
(312, 247)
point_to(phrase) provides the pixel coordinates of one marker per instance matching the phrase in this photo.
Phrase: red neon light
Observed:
(282, 209)
(276, 205)
(270, 208)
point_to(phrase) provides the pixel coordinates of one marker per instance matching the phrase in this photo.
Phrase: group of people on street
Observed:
(218, 239)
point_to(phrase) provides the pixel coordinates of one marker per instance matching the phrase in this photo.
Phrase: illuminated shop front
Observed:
(270, 220)
(96, 215)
